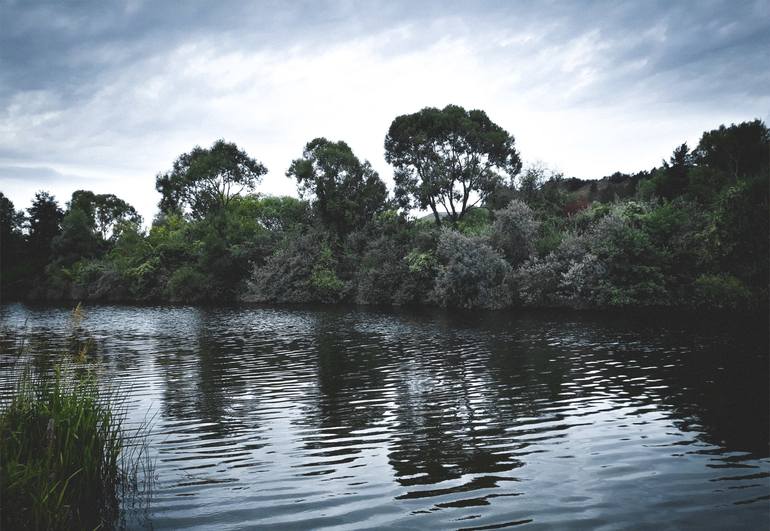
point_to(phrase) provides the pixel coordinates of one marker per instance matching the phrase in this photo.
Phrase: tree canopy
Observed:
(206, 179)
(739, 151)
(448, 158)
(44, 220)
(346, 192)
(104, 211)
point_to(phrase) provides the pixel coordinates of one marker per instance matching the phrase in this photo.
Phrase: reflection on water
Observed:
(340, 417)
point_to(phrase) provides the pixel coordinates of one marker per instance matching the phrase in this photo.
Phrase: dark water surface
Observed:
(361, 419)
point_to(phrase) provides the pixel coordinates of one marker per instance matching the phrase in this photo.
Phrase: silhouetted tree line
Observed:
(692, 232)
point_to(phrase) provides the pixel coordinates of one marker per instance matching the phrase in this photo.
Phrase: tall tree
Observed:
(448, 158)
(739, 151)
(11, 220)
(105, 211)
(12, 264)
(674, 180)
(204, 181)
(346, 192)
(77, 239)
(44, 218)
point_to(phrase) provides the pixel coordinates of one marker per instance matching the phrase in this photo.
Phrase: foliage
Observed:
(61, 442)
(206, 179)
(13, 268)
(187, 284)
(721, 291)
(471, 274)
(443, 156)
(346, 192)
(634, 277)
(476, 222)
(538, 281)
(689, 233)
(301, 270)
(44, 224)
(105, 212)
(514, 231)
(384, 275)
(77, 239)
(397, 269)
(740, 151)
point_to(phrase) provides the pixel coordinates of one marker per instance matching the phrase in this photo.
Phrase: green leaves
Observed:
(59, 459)
(204, 181)
(346, 193)
(448, 159)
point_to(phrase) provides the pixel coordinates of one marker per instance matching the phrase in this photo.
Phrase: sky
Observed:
(105, 95)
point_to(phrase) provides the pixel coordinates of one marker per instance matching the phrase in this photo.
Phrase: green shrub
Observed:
(514, 231)
(475, 222)
(187, 284)
(471, 275)
(721, 291)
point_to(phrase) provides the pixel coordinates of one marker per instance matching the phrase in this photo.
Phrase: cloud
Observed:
(38, 174)
(117, 91)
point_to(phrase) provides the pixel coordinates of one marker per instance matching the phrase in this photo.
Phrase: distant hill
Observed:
(618, 185)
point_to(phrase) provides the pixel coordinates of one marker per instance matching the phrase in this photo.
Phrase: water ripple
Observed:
(342, 418)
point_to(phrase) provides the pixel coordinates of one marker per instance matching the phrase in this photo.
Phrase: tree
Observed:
(675, 176)
(531, 182)
(443, 157)
(12, 263)
(204, 181)
(44, 218)
(739, 150)
(347, 193)
(77, 239)
(105, 211)
(11, 221)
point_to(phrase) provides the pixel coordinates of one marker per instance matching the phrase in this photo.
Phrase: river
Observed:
(350, 418)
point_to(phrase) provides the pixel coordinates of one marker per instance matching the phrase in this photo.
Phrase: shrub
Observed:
(302, 271)
(324, 283)
(514, 231)
(384, 275)
(721, 291)
(472, 274)
(579, 284)
(475, 222)
(540, 281)
(187, 284)
(633, 263)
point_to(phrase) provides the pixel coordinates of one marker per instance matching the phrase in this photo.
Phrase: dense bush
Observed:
(187, 284)
(384, 276)
(471, 274)
(301, 270)
(514, 231)
(721, 291)
(538, 281)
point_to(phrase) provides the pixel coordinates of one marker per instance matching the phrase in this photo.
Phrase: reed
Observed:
(65, 460)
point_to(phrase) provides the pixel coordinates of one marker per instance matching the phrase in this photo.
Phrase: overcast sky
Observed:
(104, 95)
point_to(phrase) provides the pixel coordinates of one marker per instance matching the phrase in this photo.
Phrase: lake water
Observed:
(345, 418)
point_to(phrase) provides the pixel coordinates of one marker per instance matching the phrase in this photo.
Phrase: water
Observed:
(283, 418)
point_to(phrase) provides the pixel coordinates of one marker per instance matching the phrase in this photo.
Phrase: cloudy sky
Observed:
(104, 95)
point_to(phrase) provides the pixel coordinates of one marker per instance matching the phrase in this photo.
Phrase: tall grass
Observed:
(66, 461)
